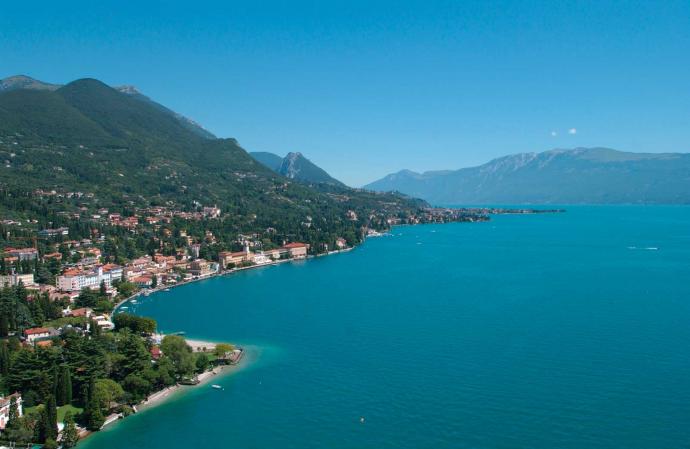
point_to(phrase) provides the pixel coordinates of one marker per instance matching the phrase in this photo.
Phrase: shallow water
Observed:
(541, 331)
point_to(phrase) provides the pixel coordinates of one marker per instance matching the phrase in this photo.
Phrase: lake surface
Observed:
(540, 331)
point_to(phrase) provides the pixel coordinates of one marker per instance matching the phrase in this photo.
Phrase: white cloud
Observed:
(554, 133)
(572, 131)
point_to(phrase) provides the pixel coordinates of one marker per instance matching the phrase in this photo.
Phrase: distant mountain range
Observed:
(576, 176)
(19, 82)
(295, 166)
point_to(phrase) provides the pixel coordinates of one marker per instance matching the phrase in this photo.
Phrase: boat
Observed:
(166, 289)
(217, 387)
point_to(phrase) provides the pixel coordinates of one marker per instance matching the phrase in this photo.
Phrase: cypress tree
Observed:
(63, 393)
(50, 429)
(70, 436)
(93, 416)
(4, 358)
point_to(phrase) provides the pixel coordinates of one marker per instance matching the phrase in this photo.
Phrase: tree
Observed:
(87, 298)
(202, 362)
(108, 393)
(4, 358)
(137, 324)
(49, 419)
(70, 436)
(154, 282)
(92, 415)
(223, 348)
(137, 387)
(180, 353)
(102, 290)
(63, 393)
(50, 444)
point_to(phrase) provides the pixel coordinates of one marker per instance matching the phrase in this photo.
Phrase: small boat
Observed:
(166, 290)
(217, 387)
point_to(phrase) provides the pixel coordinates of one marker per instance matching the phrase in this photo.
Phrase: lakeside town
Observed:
(70, 363)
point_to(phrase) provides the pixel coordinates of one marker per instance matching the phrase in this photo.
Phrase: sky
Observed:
(367, 88)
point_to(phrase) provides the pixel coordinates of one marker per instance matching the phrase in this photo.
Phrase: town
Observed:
(64, 273)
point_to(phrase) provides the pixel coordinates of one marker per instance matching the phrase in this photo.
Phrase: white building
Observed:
(76, 279)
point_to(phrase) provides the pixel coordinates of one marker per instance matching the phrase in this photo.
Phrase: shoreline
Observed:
(162, 288)
(162, 396)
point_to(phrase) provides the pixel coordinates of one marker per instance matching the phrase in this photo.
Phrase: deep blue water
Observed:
(542, 331)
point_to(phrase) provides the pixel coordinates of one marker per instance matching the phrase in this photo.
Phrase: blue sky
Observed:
(367, 88)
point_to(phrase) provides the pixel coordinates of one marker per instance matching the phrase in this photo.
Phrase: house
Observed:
(74, 280)
(103, 321)
(36, 333)
(155, 352)
(22, 254)
(235, 258)
(56, 256)
(143, 281)
(297, 250)
(211, 212)
(85, 312)
(5, 403)
(53, 232)
(341, 243)
(201, 267)
(12, 280)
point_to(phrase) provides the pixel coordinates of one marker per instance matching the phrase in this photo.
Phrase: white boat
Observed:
(217, 387)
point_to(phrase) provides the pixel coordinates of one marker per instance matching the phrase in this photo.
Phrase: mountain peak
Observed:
(25, 82)
(128, 89)
(295, 166)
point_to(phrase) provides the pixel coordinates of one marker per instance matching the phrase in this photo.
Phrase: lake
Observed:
(538, 331)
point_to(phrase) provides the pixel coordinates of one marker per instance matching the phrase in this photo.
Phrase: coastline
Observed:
(162, 396)
(162, 288)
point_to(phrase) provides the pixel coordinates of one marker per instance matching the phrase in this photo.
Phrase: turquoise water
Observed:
(543, 331)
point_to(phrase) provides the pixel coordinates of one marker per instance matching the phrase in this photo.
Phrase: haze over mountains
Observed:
(577, 176)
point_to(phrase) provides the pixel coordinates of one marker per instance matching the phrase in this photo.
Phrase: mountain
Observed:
(85, 146)
(270, 160)
(25, 82)
(296, 166)
(577, 176)
(186, 122)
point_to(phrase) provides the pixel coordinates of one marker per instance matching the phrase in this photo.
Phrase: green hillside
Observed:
(116, 151)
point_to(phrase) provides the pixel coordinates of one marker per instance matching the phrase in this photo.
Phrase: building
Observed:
(36, 333)
(5, 403)
(45, 233)
(341, 243)
(211, 212)
(297, 250)
(12, 280)
(85, 312)
(75, 280)
(201, 267)
(22, 254)
(103, 321)
(236, 259)
(143, 281)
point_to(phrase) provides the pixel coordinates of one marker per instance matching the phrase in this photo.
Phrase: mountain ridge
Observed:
(579, 175)
(295, 166)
